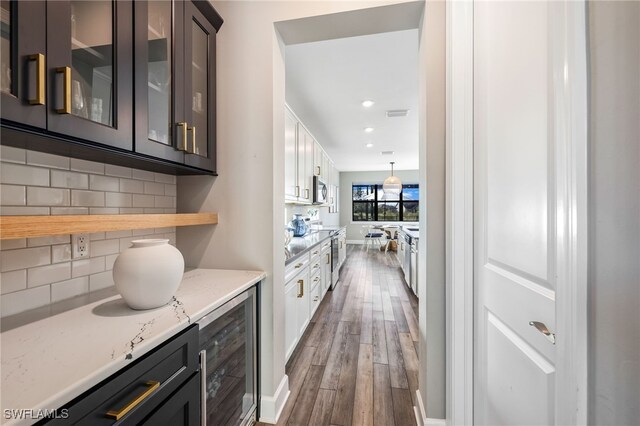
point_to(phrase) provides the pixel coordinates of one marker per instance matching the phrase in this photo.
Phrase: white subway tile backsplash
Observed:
(118, 234)
(104, 247)
(170, 190)
(13, 281)
(104, 183)
(131, 210)
(63, 179)
(132, 186)
(24, 211)
(24, 175)
(159, 177)
(68, 289)
(143, 175)
(13, 195)
(48, 274)
(154, 188)
(116, 199)
(47, 160)
(24, 300)
(13, 244)
(87, 166)
(143, 200)
(109, 261)
(37, 196)
(95, 236)
(39, 271)
(100, 281)
(11, 260)
(10, 154)
(117, 171)
(47, 241)
(87, 198)
(68, 210)
(165, 202)
(104, 210)
(61, 253)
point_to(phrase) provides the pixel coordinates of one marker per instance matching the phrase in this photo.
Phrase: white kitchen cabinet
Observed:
(290, 156)
(342, 248)
(296, 312)
(305, 165)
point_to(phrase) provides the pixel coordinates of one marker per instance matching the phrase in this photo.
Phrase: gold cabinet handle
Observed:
(182, 142)
(300, 288)
(38, 96)
(66, 90)
(316, 266)
(316, 252)
(297, 191)
(306, 193)
(192, 130)
(118, 414)
(328, 258)
(316, 279)
(318, 173)
(299, 265)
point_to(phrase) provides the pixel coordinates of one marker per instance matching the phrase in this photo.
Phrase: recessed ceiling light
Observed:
(368, 129)
(367, 103)
(369, 145)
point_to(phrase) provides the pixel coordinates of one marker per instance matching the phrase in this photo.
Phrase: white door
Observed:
(291, 330)
(290, 156)
(521, 77)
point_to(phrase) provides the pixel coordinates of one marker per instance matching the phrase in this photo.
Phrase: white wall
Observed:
(432, 213)
(349, 178)
(248, 193)
(614, 237)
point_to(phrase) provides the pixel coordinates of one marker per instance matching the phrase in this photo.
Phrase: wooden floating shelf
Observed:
(13, 227)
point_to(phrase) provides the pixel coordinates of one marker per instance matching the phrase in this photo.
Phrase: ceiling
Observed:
(327, 81)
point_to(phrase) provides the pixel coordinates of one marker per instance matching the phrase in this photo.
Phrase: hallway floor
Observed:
(357, 362)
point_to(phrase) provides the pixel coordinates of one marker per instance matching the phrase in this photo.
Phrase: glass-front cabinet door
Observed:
(158, 68)
(23, 62)
(200, 83)
(90, 68)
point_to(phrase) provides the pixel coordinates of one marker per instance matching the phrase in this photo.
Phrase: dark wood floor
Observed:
(357, 362)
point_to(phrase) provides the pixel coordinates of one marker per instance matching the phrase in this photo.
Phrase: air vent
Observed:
(397, 113)
(386, 152)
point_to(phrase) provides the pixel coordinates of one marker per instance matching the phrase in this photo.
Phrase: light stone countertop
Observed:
(49, 361)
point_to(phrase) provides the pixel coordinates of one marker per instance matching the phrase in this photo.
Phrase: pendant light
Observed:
(392, 185)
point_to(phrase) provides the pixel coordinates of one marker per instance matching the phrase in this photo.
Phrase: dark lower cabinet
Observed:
(163, 381)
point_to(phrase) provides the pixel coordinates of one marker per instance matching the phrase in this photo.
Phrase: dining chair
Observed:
(370, 235)
(392, 232)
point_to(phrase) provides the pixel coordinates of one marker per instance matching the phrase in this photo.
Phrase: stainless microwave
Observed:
(320, 191)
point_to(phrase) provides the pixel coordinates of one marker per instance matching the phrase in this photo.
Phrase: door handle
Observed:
(306, 193)
(192, 130)
(542, 328)
(182, 142)
(38, 95)
(152, 385)
(203, 387)
(300, 288)
(65, 108)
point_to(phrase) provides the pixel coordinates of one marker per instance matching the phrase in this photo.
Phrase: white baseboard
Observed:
(419, 411)
(355, 242)
(271, 406)
(421, 415)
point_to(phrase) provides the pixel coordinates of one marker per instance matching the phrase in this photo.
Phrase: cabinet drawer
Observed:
(314, 281)
(295, 267)
(158, 374)
(315, 296)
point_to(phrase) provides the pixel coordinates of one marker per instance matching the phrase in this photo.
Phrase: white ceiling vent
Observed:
(386, 152)
(397, 113)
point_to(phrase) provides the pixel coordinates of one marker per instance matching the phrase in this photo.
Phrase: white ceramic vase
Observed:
(148, 273)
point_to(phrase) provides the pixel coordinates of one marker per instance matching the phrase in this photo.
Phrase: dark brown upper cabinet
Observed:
(23, 60)
(175, 81)
(89, 61)
(123, 82)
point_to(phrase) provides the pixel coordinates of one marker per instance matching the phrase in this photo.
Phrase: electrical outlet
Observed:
(80, 245)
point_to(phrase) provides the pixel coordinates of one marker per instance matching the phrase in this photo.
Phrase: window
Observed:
(371, 204)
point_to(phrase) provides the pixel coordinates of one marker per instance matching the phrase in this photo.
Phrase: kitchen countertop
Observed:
(49, 361)
(300, 245)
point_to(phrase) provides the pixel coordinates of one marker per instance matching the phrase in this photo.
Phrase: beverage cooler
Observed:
(228, 362)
